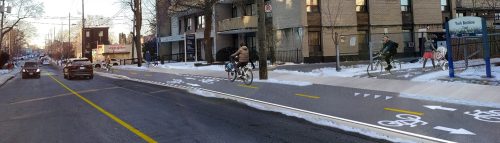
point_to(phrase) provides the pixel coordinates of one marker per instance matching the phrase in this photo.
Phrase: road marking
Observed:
(433, 107)
(460, 131)
(248, 86)
(60, 95)
(113, 117)
(134, 73)
(377, 96)
(159, 91)
(366, 95)
(356, 94)
(388, 97)
(308, 96)
(404, 111)
(148, 75)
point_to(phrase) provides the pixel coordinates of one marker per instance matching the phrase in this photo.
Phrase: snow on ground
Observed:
(346, 71)
(4, 71)
(190, 66)
(131, 67)
(480, 72)
(296, 83)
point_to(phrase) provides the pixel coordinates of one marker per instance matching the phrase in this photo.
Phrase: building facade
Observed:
(304, 30)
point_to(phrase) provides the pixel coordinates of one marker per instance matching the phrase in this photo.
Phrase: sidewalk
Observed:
(459, 93)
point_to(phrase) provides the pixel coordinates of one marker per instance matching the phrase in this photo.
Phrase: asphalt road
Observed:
(454, 122)
(52, 109)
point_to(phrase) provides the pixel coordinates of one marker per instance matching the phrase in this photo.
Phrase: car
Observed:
(79, 67)
(114, 62)
(30, 69)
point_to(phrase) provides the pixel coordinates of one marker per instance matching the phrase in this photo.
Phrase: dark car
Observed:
(30, 69)
(78, 68)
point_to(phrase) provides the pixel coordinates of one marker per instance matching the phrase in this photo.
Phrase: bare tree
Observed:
(333, 16)
(136, 8)
(21, 9)
(207, 8)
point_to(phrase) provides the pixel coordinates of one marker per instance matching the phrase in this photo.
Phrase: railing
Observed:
(244, 22)
(289, 55)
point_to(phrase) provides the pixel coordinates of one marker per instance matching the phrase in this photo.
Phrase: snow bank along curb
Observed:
(317, 118)
(8, 76)
(451, 100)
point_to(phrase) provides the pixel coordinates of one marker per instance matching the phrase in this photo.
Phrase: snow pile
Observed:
(433, 76)
(132, 67)
(480, 72)
(4, 71)
(190, 66)
(296, 83)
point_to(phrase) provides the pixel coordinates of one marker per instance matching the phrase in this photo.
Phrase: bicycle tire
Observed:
(248, 76)
(396, 64)
(374, 69)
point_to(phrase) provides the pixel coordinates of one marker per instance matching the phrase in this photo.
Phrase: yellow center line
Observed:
(308, 96)
(404, 111)
(148, 75)
(113, 117)
(133, 73)
(248, 86)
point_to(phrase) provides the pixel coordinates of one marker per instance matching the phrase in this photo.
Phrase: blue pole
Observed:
(448, 45)
(486, 49)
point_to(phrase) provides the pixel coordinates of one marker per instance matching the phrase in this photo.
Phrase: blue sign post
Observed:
(468, 26)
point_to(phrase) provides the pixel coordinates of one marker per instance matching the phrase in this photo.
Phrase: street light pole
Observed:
(69, 34)
(83, 29)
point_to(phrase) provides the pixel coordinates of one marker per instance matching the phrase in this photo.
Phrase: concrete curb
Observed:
(10, 76)
(317, 118)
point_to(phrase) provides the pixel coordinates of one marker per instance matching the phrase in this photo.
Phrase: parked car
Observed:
(78, 68)
(30, 69)
(114, 62)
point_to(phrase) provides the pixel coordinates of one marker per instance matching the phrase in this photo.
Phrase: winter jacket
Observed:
(390, 46)
(429, 46)
(243, 54)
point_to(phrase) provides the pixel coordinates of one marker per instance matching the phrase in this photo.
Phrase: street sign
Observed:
(468, 26)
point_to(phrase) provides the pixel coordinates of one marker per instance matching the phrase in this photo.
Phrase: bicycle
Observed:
(376, 67)
(108, 67)
(487, 116)
(244, 73)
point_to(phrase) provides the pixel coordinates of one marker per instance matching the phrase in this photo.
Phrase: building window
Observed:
(361, 6)
(497, 16)
(189, 24)
(312, 6)
(405, 6)
(444, 5)
(251, 9)
(87, 34)
(460, 14)
(179, 26)
(201, 22)
(315, 43)
(235, 11)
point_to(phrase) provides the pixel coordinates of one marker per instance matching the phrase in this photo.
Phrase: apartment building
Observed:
(304, 30)
(489, 9)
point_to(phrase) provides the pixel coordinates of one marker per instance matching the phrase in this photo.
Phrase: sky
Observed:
(56, 16)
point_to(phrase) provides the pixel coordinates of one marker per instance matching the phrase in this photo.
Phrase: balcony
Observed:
(238, 24)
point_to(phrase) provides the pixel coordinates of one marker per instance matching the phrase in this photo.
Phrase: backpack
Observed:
(394, 48)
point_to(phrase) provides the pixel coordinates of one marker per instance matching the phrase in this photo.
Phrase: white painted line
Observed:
(376, 96)
(460, 131)
(388, 97)
(356, 94)
(434, 107)
(366, 95)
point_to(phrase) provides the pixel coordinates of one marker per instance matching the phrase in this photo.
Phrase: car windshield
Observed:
(30, 64)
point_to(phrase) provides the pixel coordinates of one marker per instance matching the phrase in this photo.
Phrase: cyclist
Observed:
(388, 51)
(243, 56)
(108, 62)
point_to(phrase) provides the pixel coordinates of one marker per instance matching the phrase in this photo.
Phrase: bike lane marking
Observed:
(248, 86)
(404, 111)
(111, 116)
(307, 96)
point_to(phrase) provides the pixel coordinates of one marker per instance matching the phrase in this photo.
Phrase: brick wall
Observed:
(385, 12)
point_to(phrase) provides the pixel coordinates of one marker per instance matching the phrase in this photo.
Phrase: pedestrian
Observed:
(429, 49)
(148, 57)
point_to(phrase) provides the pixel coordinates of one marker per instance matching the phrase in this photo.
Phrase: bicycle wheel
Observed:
(390, 123)
(231, 75)
(247, 76)
(396, 64)
(374, 69)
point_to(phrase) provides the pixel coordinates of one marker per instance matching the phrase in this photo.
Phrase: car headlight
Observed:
(37, 70)
(24, 70)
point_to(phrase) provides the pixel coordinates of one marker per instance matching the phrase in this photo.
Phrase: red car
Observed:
(78, 68)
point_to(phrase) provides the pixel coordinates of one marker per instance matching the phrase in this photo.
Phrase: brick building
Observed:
(303, 30)
(93, 36)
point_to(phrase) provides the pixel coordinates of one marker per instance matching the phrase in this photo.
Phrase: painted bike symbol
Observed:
(406, 120)
(487, 116)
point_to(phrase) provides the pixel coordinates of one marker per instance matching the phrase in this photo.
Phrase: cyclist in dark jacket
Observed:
(388, 50)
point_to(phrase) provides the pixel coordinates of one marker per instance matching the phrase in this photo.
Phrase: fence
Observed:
(289, 55)
(469, 51)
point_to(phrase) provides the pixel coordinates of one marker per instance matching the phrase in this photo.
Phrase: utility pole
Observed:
(83, 29)
(69, 35)
(261, 35)
(158, 30)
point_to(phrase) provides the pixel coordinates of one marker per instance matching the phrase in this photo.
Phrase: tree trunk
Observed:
(138, 24)
(206, 33)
